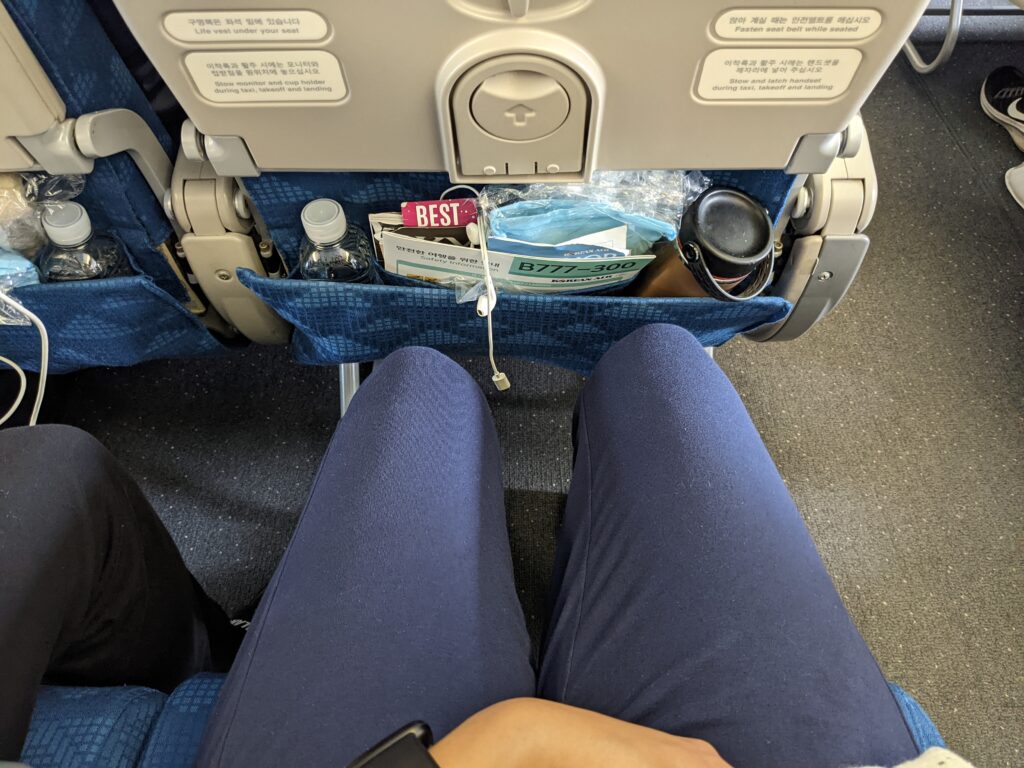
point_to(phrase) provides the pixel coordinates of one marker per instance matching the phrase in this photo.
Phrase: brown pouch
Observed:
(667, 275)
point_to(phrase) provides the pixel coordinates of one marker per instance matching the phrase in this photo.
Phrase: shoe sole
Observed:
(1011, 126)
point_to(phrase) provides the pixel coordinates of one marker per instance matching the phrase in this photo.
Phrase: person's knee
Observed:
(53, 473)
(418, 361)
(659, 340)
(421, 369)
(48, 445)
(654, 355)
(55, 461)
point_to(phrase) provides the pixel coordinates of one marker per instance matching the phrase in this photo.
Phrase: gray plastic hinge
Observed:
(815, 152)
(218, 222)
(72, 145)
(111, 131)
(830, 210)
(55, 150)
(820, 273)
(518, 8)
(230, 156)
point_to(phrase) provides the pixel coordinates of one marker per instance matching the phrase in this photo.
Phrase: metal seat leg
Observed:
(956, 15)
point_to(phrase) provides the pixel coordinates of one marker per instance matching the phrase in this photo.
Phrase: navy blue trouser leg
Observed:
(93, 591)
(689, 596)
(395, 599)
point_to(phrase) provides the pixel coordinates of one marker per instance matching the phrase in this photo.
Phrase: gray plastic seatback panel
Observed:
(31, 105)
(354, 84)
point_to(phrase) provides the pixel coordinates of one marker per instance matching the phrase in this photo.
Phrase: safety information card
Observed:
(440, 262)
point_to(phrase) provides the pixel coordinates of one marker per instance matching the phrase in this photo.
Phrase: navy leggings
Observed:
(687, 594)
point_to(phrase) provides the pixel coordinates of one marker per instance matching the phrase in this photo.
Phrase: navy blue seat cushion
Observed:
(73, 727)
(921, 727)
(174, 742)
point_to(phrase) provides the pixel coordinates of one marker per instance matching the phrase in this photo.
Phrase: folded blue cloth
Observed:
(16, 270)
(556, 221)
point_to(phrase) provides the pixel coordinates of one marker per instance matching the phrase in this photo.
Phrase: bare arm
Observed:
(544, 734)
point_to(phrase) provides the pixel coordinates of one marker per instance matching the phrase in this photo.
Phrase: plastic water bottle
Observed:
(332, 250)
(75, 252)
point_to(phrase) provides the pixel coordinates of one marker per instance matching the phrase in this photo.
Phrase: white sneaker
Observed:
(1002, 98)
(1015, 183)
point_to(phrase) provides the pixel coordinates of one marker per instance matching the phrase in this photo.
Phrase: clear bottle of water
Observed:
(332, 250)
(75, 251)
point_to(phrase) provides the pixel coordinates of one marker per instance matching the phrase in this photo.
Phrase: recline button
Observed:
(520, 105)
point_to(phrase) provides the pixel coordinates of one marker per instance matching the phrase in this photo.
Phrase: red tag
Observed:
(439, 213)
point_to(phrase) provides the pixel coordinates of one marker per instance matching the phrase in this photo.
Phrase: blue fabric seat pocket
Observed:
(345, 322)
(357, 322)
(114, 321)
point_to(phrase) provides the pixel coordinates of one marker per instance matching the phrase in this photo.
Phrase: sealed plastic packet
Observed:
(15, 271)
(20, 228)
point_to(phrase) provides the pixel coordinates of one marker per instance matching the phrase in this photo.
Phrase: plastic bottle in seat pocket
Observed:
(75, 251)
(332, 250)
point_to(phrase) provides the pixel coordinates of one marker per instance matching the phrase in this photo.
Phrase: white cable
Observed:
(474, 190)
(485, 304)
(44, 353)
(21, 391)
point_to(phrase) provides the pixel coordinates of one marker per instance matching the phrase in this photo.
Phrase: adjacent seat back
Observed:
(115, 321)
(89, 75)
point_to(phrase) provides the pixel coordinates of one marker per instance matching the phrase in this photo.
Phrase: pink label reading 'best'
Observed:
(439, 213)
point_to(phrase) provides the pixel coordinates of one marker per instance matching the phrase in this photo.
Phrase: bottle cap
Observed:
(67, 224)
(324, 221)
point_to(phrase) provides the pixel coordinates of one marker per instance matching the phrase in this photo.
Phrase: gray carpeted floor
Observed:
(897, 425)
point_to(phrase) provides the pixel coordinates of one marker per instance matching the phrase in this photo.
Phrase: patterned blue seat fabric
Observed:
(174, 742)
(120, 727)
(76, 727)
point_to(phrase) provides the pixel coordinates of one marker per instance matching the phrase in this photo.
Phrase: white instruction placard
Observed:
(777, 74)
(267, 76)
(245, 26)
(798, 24)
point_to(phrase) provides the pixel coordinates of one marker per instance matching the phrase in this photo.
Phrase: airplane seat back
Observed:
(340, 99)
